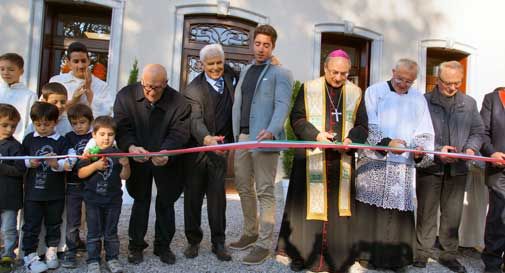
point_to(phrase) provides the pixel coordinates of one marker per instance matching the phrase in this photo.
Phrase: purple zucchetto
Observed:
(339, 53)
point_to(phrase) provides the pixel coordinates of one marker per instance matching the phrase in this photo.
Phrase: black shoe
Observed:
(81, 246)
(221, 253)
(167, 257)
(297, 265)
(420, 263)
(453, 265)
(135, 256)
(492, 270)
(191, 251)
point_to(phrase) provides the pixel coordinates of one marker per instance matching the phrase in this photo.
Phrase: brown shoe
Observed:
(257, 256)
(244, 242)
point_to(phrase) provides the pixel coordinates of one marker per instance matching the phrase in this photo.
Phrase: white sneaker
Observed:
(94, 267)
(114, 266)
(52, 258)
(33, 263)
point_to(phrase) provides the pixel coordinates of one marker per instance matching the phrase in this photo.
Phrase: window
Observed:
(437, 55)
(359, 51)
(67, 23)
(235, 35)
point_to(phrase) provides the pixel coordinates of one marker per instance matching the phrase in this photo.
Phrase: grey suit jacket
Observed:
(270, 103)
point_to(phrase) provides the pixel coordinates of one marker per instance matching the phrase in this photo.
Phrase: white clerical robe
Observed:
(388, 181)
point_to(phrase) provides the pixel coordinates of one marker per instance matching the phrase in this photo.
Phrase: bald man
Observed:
(151, 117)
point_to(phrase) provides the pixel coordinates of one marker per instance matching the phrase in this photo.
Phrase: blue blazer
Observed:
(270, 103)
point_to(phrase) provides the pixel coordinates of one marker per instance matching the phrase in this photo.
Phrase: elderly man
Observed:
(151, 117)
(458, 128)
(317, 231)
(493, 116)
(259, 111)
(398, 116)
(211, 98)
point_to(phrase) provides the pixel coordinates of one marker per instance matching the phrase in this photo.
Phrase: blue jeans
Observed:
(102, 221)
(9, 232)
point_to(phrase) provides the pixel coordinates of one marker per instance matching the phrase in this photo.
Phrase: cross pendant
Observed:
(336, 114)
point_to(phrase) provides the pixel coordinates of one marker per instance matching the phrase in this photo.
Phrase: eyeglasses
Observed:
(400, 80)
(450, 84)
(152, 88)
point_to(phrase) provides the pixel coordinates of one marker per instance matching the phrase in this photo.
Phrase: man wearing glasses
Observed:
(458, 128)
(398, 117)
(152, 117)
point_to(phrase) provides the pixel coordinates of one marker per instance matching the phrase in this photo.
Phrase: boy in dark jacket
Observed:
(11, 182)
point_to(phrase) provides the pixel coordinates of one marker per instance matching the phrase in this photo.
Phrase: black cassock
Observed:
(312, 244)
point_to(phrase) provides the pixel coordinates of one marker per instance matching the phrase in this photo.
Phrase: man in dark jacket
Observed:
(458, 128)
(151, 117)
(211, 98)
(493, 116)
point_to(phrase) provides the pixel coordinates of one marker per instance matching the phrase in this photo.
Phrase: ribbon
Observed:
(268, 144)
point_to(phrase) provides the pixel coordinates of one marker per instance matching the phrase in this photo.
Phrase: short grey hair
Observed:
(211, 50)
(451, 65)
(408, 64)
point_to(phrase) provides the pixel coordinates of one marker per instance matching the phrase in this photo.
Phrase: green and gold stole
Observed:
(315, 107)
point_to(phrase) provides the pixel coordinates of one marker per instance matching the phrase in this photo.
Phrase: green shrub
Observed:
(287, 155)
(134, 73)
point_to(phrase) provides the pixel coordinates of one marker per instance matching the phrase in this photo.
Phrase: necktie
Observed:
(219, 85)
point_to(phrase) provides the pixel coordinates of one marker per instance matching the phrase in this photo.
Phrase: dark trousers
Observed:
(205, 177)
(102, 222)
(36, 213)
(494, 237)
(140, 187)
(446, 192)
(74, 211)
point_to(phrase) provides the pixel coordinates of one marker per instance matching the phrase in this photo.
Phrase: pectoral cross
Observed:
(336, 114)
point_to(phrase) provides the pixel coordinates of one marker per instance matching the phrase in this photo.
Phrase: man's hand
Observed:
(264, 135)
(445, 159)
(324, 137)
(501, 156)
(138, 150)
(159, 160)
(347, 141)
(469, 151)
(397, 143)
(124, 161)
(214, 140)
(420, 154)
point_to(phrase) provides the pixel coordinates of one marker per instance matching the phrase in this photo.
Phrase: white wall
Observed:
(149, 26)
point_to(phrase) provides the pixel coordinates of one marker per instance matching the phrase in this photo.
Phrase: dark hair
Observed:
(80, 110)
(10, 112)
(14, 58)
(76, 47)
(44, 111)
(53, 88)
(104, 122)
(267, 30)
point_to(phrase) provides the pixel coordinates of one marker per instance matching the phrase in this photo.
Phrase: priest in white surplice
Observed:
(398, 116)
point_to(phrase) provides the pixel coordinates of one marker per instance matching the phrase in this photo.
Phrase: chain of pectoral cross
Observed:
(335, 109)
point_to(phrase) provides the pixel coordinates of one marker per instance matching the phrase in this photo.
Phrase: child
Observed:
(11, 183)
(80, 117)
(56, 94)
(103, 196)
(13, 92)
(44, 187)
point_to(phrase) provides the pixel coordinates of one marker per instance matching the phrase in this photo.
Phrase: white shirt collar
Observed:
(211, 81)
(54, 136)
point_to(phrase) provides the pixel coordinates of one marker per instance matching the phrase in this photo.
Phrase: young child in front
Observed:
(11, 183)
(103, 196)
(80, 117)
(14, 92)
(44, 187)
